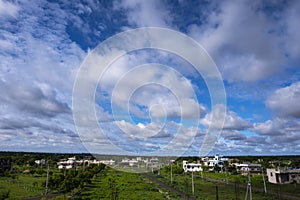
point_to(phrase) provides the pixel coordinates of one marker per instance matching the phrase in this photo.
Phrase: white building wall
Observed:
(271, 175)
(191, 167)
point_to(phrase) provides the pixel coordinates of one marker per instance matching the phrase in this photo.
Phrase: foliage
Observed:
(110, 184)
(73, 179)
(24, 185)
(176, 168)
(113, 184)
(4, 194)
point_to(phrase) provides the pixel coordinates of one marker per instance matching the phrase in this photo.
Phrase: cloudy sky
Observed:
(254, 44)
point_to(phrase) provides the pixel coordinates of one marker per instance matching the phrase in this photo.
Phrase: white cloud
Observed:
(277, 127)
(188, 109)
(233, 135)
(159, 91)
(32, 99)
(247, 43)
(281, 133)
(267, 128)
(285, 101)
(41, 50)
(145, 13)
(8, 8)
(290, 22)
(140, 130)
(214, 119)
(37, 70)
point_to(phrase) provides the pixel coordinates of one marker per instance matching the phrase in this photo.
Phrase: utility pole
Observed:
(263, 176)
(47, 180)
(171, 162)
(226, 178)
(158, 171)
(65, 170)
(193, 187)
(249, 188)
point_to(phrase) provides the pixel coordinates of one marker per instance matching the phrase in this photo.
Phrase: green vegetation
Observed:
(22, 186)
(21, 177)
(113, 184)
(206, 189)
(73, 179)
(230, 186)
(256, 181)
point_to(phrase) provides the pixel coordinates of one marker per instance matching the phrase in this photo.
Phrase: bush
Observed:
(4, 194)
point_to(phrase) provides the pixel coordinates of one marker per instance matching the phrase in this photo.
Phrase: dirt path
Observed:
(168, 187)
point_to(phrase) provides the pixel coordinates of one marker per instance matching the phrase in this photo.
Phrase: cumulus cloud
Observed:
(277, 126)
(268, 128)
(290, 18)
(285, 101)
(42, 53)
(159, 91)
(43, 44)
(232, 121)
(245, 41)
(233, 135)
(8, 9)
(41, 134)
(32, 100)
(36, 53)
(281, 133)
(145, 13)
(140, 130)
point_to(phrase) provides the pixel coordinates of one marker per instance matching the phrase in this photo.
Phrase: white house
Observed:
(129, 162)
(133, 162)
(40, 162)
(216, 160)
(283, 176)
(69, 164)
(153, 162)
(107, 162)
(246, 168)
(191, 167)
(212, 162)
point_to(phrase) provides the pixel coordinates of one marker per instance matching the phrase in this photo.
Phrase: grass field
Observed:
(112, 184)
(206, 189)
(23, 186)
(120, 185)
(257, 181)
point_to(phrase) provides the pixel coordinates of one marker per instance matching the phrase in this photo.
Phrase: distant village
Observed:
(219, 164)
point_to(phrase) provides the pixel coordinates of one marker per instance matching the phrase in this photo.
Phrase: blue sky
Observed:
(255, 45)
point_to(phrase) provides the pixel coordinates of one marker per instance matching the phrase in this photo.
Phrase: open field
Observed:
(205, 188)
(120, 185)
(112, 184)
(22, 186)
(25, 179)
(257, 181)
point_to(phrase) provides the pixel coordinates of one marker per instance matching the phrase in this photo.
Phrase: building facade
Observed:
(246, 168)
(283, 176)
(191, 167)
